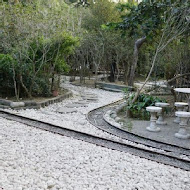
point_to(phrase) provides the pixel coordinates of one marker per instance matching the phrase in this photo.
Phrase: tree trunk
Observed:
(25, 88)
(147, 78)
(52, 82)
(137, 46)
(126, 73)
(112, 72)
(15, 83)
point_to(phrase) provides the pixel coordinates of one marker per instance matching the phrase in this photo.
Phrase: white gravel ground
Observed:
(78, 121)
(33, 159)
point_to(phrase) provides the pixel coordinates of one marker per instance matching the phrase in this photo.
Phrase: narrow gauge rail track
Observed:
(111, 144)
(95, 117)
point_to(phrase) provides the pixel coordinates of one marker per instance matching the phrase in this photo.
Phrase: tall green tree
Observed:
(143, 22)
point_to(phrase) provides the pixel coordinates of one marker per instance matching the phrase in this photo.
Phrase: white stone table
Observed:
(185, 91)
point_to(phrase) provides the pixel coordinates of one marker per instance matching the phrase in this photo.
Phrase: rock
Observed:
(66, 110)
(82, 122)
(113, 115)
(5, 102)
(117, 119)
(17, 104)
(90, 98)
(30, 103)
(109, 112)
(75, 105)
(50, 184)
(82, 102)
(89, 94)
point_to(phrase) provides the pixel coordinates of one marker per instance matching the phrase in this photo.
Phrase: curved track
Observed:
(161, 157)
(95, 117)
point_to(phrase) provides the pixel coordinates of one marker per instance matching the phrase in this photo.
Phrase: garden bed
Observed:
(35, 103)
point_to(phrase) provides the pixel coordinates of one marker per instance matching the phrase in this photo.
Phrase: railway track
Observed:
(95, 117)
(166, 157)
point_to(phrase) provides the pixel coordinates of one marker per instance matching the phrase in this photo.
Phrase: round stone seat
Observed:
(161, 120)
(180, 104)
(153, 112)
(66, 110)
(89, 94)
(75, 105)
(153, 109)
(82, 102)
(184, 117)
(180, 107)
(182, 114)
(90, 98)
(162, 104)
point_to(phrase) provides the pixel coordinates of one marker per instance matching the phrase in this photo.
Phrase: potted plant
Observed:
(55, 92)
(55, 88)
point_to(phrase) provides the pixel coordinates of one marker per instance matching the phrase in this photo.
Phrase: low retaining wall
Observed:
(33, 104)
(112, 87)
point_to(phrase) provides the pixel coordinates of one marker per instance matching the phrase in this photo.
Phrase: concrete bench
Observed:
(112, 87)
(180, 106)
(161, 120)
(153, 112)
(184, 117)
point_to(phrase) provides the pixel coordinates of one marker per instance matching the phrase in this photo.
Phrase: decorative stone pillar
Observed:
(184, 117)
(180, 106)
(153, 112)
(161, 120)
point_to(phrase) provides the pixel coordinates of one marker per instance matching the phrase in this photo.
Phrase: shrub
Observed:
(7, 63)
(138, 108)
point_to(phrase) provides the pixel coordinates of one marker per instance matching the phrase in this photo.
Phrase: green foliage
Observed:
(41, 87)
(6, 70)
(34, 36)
(102, 12)
(62, 67)
(39, 39)
(147, 17)
(138, 108)
(6, 63)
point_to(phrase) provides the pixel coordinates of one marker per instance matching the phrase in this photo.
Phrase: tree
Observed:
(142, 22)
(34, 37)
(177, 23)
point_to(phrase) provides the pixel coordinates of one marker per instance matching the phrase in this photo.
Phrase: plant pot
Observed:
(55, 93)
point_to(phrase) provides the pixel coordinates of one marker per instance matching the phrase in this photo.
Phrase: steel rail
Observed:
(95, 117)
(103, 142)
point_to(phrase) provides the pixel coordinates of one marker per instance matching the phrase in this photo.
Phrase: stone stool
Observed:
(180, 107)
(184, 117)
(153, 112)
(161, 120)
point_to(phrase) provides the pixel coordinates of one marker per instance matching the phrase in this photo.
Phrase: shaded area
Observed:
(166, 134)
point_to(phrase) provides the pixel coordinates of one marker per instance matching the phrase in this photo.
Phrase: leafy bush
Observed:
(138, 108)
(34, 45)
(7, 63)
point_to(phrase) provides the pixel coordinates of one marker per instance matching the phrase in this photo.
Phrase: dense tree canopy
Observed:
(145, 22)
(42, 39)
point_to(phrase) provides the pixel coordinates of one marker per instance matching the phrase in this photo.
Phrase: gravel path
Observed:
(77, 121)
(32, 159)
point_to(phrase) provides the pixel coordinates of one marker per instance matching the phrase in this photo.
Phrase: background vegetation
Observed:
(42, 39)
